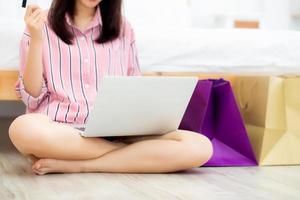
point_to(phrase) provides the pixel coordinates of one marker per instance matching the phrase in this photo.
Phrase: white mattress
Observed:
(192, 49)
(234, 50)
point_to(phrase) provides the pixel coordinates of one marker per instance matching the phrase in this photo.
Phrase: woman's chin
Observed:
(91, 3)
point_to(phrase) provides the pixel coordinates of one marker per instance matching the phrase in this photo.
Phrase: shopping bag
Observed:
(270, 106)
(213, 112)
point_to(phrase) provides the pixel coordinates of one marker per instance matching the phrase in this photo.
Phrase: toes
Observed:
(43, 166)
(46, 166)
(36, 165)
(40, 164)
(37, 172)
(41, 171)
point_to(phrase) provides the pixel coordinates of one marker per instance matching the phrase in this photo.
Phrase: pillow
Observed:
(158, 13)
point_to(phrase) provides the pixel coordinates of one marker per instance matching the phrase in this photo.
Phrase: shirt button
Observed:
(87, 86)
(82, 38)
(86, 60)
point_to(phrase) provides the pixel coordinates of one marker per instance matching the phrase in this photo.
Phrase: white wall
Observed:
(273, 14)
(221, 13)
(162, 13)
(13, 8)
(295, 12)
(227, 6)
(276, 14)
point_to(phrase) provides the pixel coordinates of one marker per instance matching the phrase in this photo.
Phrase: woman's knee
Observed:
(198, 148)
(25, 131)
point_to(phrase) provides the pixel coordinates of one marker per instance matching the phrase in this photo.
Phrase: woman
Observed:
(63, 55)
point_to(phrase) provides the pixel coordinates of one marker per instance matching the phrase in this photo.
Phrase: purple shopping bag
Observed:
(213, 112)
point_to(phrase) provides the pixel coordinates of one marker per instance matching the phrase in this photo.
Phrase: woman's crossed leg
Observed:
(59, 148)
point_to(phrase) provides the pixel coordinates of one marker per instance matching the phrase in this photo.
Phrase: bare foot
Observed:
(45, 166)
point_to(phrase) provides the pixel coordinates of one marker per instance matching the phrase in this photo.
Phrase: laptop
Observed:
(139, 105)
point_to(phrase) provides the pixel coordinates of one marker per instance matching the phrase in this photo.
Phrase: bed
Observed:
(189, 51)
(231, 50)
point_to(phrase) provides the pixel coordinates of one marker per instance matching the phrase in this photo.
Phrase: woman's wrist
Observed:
(36, 42)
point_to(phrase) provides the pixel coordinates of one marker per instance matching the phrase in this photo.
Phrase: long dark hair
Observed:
(111, 14)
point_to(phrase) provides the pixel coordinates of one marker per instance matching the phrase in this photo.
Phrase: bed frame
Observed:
(8, 79)
(7, 82)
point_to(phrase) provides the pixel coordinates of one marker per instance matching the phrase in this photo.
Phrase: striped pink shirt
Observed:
(72, 73)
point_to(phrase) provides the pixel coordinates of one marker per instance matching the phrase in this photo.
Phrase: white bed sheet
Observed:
(191, 49)
(234, 50)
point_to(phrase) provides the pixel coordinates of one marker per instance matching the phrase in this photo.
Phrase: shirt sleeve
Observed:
(133, 60)
(30, 101)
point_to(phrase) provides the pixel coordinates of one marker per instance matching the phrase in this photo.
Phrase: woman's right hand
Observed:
(34, 19)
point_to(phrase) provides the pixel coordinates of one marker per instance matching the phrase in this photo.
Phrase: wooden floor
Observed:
(18, 182)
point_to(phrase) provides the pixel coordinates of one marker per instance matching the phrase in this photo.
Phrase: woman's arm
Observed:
(33, 73)
(32, 77)
(28, 86)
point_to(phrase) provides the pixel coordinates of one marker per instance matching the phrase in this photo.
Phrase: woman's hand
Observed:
(34, 19)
